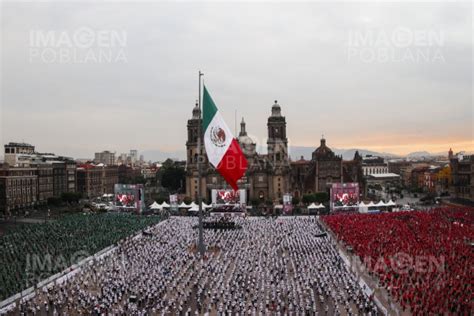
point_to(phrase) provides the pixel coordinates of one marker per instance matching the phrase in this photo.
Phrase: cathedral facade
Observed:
(268, 176)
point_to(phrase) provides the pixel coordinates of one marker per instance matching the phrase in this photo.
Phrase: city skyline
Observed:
(306, 56)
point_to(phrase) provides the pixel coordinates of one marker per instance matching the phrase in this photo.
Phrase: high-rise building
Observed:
(106, 157)
(134, 156)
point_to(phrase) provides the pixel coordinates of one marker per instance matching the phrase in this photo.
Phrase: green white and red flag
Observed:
(223, 150)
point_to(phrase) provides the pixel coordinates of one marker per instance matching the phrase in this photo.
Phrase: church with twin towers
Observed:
(270, 176)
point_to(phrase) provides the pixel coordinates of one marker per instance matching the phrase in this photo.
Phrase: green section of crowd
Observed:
(32, 252)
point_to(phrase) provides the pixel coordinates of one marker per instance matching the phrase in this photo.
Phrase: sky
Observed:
(82, 77)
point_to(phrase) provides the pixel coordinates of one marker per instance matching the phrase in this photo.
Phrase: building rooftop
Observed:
(11, 144)
(385, 175)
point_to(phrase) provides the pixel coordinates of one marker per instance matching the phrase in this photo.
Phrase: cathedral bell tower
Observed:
(277, 147)
(277, 143)
(192, 156)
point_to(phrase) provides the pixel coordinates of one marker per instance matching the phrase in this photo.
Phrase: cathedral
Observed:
(270, 176)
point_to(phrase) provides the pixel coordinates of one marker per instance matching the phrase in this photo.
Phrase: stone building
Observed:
(45, 182)
(18, 188)
(462, 169)
(324, 169)
(95, 180)
(374, 165)
(14, 150)
(267, 177)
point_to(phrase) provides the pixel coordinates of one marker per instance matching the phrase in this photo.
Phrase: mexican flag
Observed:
(223, 150)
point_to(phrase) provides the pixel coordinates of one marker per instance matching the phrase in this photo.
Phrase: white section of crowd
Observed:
(270, 266)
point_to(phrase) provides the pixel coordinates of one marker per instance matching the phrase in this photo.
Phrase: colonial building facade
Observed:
(270, 175)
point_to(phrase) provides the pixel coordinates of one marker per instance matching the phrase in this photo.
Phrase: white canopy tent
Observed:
(193, 205)
(204, 205)
(370, 204)
(155, 206)
(391, 203)
(381, 203)
(363, 208)
(194, 208)
(184, 205)
(165, 205)
(312, 206)
(320, 205)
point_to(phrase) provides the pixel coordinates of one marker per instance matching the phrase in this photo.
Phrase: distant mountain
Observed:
(347, 154)
(158, 155)
(417, 154)
(295, 153)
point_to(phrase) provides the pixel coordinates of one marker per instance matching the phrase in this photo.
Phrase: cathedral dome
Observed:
(196, 112)
(248, 146)
(243, 137)
(323, 150)
(276, 109)
(245, 140)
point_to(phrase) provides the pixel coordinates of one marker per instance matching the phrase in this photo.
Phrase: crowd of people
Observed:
(268, 267)
(55, 245)
(424, 259)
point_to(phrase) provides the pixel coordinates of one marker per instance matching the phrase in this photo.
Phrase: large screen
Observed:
(344, 195)
(130, 197)
(221, 197)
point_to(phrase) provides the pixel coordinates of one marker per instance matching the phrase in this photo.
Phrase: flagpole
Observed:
(201, 246)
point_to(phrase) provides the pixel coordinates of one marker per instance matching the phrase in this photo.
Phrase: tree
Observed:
(255, 202)
(172, 176)
(70, 197)
(321, 197)
(54, 201)
(295, 200)
(318, 197)
(308, 198)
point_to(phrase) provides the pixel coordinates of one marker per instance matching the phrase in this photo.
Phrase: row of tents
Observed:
(379, 204)
(193, 207)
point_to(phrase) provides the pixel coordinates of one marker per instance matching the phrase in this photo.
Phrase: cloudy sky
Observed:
(78, 78)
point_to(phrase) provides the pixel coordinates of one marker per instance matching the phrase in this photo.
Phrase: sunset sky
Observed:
(389, 77)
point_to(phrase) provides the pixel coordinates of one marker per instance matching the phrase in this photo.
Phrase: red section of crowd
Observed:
(424, 258)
